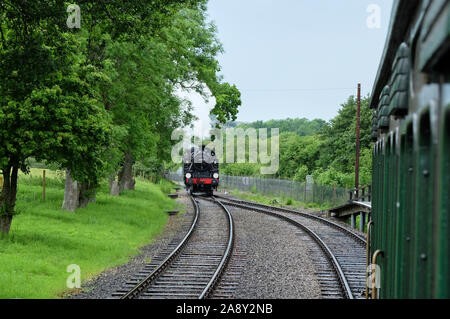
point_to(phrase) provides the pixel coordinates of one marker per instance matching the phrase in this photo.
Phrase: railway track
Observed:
(194, 266)
(339, 254)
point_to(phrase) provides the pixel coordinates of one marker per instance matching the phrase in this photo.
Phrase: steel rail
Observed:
(226, 256)
(360, 239)
(140, 287)
(335, 263)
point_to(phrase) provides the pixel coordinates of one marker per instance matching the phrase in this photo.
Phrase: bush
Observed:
(166, 186)
(274, 201)
(44, 240)
(301, 174)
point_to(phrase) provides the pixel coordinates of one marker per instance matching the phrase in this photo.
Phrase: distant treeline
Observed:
(325, 150)
(301, 127)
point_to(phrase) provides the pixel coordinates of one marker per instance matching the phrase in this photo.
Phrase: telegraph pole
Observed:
(358, 133)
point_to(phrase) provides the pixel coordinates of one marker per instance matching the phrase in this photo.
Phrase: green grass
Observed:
(358, 220)
(44, 240)
(278, 201)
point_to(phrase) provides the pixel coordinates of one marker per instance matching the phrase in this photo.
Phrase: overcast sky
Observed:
(296, 58)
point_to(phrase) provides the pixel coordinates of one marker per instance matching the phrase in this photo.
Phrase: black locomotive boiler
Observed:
(200, 170)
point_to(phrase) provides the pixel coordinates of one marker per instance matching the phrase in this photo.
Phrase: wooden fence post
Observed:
(313, 189)
(305, 192)
(43, 184)
(334, 194)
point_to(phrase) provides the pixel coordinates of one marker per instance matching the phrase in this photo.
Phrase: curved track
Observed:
(341, 261)
(195, 266)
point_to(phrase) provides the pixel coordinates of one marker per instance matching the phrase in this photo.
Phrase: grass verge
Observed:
(277, 201)
(284, 202)
(44, 240)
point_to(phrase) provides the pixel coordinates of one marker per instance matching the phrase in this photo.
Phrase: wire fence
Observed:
(299, 191)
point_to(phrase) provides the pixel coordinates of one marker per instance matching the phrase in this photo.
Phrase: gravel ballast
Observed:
(272, 254)
(278, 264)
(104, 285)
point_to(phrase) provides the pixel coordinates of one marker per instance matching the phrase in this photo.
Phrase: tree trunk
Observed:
(5, 223)
(8, 197)
(71, 194)
(126, 180)
(111, 181)
(87, 195)
(113, 187)
(77, 195)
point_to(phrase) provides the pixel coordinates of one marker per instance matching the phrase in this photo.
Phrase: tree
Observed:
(107, 23)
(84, 99)
(297, 152)
(300, 126)
(48, 109)
(340, 138)
(302, 172)
(337, 158)
(146, 76)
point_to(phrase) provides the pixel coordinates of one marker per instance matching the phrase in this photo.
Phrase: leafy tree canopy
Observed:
(300, 126)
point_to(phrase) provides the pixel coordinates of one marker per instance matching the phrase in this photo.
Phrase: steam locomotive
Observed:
(200, 170)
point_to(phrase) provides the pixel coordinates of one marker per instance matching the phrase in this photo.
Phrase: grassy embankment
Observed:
(278, 201)
(44, 240)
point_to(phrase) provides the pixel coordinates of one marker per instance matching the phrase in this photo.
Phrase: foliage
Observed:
(328, 154)
(300, 126)
(298, 155)
(301, 173)
(146, 73)
(337, 156)
(49, 108)
(81, 99)
(166, 186)
(110, 232)
(244, 169)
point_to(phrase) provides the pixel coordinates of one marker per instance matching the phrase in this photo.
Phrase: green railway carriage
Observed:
(411, 155)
